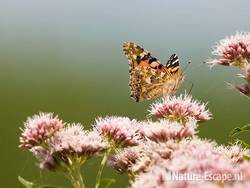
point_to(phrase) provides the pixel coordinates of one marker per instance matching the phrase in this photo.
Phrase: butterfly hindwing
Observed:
(146, 83)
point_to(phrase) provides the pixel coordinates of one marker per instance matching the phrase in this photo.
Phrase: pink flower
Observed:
(70, 146)
(242, 89)
(235, 153)
(205, 158)
(125, 159)
(141, 158)
(159, 177)
(215, 166)
(246, 72)
(164, 130)
(156, 178)
(46, 160)
(118, 131)
(73, 140)
(38, 129)
(152, 153)
(182, 109)
(233, 50)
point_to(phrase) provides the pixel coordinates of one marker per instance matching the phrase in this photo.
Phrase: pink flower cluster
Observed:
(182, 108)
(55, 144)
(119, 131)
(233, 50)
(150, 152)
(196, 158)
(141, 158)
(74, 140)
(46, 160)
(38, 129)
(164, 130)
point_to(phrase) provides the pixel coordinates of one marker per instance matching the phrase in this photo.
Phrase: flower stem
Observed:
(76, 177)
(99, 174)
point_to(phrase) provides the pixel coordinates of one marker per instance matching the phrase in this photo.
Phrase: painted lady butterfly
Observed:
(148, 77)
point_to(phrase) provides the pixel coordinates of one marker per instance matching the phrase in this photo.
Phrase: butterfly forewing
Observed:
(174, 82)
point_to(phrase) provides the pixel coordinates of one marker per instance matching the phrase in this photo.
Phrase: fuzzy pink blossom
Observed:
(156, 178)
(243, 89)
(125, 159)
(46, 160)
(235, 152)
(193, 156)
(203, 158)
(159, 177)
(132, 160)
(141, 158)
(153, 153)
(76, 141)
(39, 128)
(118, 131)
(246, 72)
(164, 130)
(233, 50)
(182, 108)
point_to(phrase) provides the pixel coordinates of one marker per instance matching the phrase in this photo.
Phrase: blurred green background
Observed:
(65, 57)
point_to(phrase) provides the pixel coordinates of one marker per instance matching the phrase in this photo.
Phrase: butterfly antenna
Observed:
(185, 68)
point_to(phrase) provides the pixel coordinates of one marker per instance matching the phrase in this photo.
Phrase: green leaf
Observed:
(246, 157)
(105, 183)
(239, 130)
(26, 183)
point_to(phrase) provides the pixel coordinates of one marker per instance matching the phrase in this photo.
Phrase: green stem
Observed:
(99, 174)
(76, 177)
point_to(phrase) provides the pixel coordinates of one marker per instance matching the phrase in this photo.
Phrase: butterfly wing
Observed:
(148, 76)
(146, 83)
(176, 78)
(138, 56)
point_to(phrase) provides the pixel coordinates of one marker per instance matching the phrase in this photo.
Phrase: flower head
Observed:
(182, 108)
(242, 89)
(39, 128)
(164, 130)
(235, 153)
(76, 141)
(152, 179)
(197, 157)
(233, 50)
(125, 159)
(46, 160)
(119, 131)
(153, 153)
(159, 177)
(246, 72)
(136, 159)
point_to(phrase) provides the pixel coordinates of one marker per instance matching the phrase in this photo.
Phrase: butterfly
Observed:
(148, 77)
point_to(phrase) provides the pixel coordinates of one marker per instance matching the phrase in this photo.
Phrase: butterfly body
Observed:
(148, 77)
